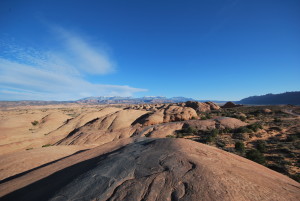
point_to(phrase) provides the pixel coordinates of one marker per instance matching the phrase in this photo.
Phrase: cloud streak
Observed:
(29, 74)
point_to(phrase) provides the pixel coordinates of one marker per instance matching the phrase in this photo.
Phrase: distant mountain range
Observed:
(131, 100)
(273, 99)
(106, 100)
(268, 99)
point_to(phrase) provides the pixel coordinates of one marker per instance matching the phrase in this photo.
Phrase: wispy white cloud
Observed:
(86, 57)
(26, 73)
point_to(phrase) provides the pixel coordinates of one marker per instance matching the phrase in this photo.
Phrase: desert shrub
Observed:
(254, 127)
(255, 156)
(261, 146)
(239, 146)
(34, 123)
(47, 145)
(278, 168)
(242, 118)
(296, 177)
(208, 116)
(276, 119)
(226, 130)
(170, 136)
(240, 136)
(211, 135)
(243, 129)
(210, 138)
(191, 130)
(214, 132)
(297, 145)
(291, 138)
(179, 135)
(203, 118)
(186, 131)
(221, 143)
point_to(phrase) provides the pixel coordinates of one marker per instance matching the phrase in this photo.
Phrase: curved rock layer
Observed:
(105, 129)
(154, 169)
(170, 114)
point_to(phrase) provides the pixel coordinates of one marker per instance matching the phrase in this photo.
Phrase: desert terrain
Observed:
(161, 151)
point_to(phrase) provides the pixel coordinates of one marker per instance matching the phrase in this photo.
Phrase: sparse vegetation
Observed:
(255, 127)
(240, 147)
(277, 120)
(34, 123)
(243, 129)
(256, 156)
(186, 131)
(261, 146)
(47, 145)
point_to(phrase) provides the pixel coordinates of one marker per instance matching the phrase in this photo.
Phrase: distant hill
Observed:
(273, 99)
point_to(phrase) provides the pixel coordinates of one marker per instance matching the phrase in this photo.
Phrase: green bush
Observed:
(208, 116)
(188, 130)
(47, 145)
(242, 118)
(239, 146)
(226, 130)
(296, 177)
(34, 123)
(243, 130)
(214, 132)
(291, 138)
(276, 119)
(255, 127)
(211, 135)
(256, 156)
(210, 138)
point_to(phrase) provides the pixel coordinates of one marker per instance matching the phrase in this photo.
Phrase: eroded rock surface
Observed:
(161, 169)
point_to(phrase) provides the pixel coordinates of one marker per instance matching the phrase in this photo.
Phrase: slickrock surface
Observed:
(154, 169)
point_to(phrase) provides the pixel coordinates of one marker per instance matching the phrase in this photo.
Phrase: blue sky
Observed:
(204, 49)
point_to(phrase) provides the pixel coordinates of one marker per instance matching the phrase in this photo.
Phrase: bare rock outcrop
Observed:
(177, 113)
(198, 106)
(153, 169)
(169, 114)
(163, 130)
(213, 106)
(202, 125)
(103, 130)
(230, 105)
(220, 122)
(232, 123)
